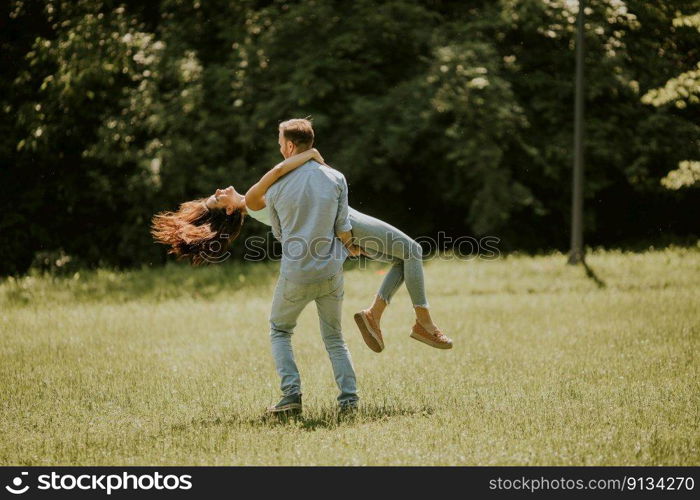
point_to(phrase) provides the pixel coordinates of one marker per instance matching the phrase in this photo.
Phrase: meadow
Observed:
(172, 366)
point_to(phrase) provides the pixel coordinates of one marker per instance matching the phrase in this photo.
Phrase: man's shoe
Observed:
(435, 339)
(288, 405)
(370, 331)
(348, 407)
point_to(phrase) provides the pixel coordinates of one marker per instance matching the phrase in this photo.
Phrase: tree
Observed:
(445, 116)
(682, 90)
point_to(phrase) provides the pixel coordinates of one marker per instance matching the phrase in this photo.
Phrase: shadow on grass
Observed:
(592, 275)
(323, 418)
(330, 418)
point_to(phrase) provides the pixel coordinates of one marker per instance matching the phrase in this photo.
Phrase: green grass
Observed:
(173, 366)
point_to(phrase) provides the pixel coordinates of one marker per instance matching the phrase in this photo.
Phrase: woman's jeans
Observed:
(289, 300)
(384, 242)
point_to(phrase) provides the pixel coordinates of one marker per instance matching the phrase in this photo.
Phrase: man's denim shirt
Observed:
(308, 207)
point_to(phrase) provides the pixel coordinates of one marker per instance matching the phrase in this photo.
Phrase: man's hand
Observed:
(354, 250)
(349, 242)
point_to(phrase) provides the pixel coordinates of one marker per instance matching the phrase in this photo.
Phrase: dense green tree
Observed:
(444, 116)
(681, 91)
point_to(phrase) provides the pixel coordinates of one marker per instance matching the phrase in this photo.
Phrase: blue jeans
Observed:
(289, 300)
(382, 241)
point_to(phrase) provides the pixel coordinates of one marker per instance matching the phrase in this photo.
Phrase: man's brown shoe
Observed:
(370, 331)
(435, 339)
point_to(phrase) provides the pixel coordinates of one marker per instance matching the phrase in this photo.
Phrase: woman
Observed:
(203, 229)
(207, 226)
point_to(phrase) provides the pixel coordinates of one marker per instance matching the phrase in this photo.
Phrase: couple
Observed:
(306, 203)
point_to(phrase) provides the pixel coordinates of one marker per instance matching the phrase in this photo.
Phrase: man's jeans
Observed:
(289, 300)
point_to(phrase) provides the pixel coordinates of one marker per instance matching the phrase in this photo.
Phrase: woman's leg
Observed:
(383, 241)
(392, 281)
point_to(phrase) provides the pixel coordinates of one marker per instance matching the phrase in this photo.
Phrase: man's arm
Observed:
(343, 228)
(275, 224)
(274, 216)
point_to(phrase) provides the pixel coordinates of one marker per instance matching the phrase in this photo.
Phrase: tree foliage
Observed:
(682, 90)
(444, 116)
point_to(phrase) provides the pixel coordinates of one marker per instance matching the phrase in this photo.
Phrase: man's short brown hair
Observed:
(299, 131)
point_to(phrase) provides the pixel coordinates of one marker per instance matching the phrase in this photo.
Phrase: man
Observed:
(309, 216)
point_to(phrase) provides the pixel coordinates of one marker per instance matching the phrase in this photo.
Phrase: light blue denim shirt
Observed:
(263, 215)
(308, 207)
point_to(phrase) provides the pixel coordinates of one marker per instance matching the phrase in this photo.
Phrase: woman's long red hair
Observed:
(196, 233)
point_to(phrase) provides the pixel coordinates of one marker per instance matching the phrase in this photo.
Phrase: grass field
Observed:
(173, 366)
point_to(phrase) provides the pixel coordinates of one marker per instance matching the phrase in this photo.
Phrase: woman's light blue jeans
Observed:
(383, 242)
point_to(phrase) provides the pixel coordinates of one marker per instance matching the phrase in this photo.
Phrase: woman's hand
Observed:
(255, 197)
(316, 155)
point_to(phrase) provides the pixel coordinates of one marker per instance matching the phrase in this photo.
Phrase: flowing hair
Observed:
(197, 233)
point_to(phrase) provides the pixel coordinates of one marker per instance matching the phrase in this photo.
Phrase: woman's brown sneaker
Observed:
(370, 331)
(435, 339)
